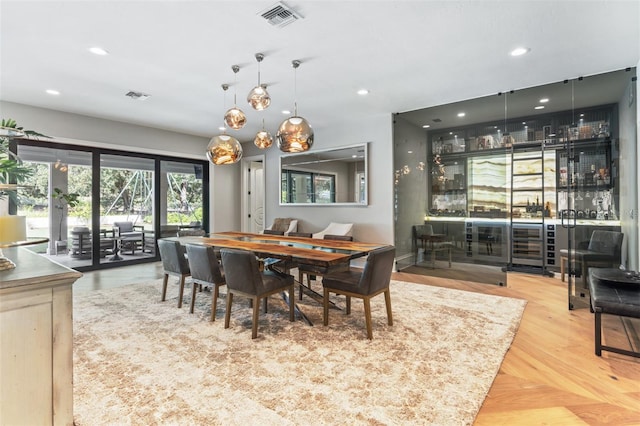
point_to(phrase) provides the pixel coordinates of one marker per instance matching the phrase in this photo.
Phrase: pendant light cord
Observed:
(235, 69)
(505, 112)
(224, 106)
(296, 64)
(573, 112)
(259, 74)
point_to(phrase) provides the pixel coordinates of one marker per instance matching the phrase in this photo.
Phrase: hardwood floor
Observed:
(550, 375)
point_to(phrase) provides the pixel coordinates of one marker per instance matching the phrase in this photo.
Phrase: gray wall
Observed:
(374, 222)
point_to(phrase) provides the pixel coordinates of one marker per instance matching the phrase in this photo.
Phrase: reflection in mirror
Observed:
(332, 176)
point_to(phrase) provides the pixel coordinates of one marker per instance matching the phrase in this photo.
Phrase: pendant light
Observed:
(263, 138)
(234, 117)
(258, 97)
(295, 134)
(224, 149)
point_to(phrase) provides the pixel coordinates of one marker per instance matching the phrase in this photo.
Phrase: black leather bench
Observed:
(613, 292)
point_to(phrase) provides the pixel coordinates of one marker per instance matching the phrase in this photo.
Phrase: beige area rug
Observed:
(141, 361)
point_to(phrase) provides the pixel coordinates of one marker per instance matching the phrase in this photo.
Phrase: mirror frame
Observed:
(365, 201)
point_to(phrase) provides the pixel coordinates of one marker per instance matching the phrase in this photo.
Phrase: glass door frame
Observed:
(95, 193)
(568, 222)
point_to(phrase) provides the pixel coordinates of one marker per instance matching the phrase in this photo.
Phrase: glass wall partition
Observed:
(519, 181)
(102, 208)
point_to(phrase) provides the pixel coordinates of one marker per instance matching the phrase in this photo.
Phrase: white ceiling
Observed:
(409, 54)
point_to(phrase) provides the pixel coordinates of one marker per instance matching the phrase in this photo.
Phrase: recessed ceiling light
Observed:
(544, 100)
(461, 114)
(409, 152)
(52, 92)
(363, 92)
(222, 128)
(539, 107)
(426, 126)
(98, 51)
(286, 111)
(519, 51)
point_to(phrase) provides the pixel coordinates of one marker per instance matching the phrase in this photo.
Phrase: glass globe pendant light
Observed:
(295, 133)
(258, 97)
(224, 149)
(234, 117)
(263, 138)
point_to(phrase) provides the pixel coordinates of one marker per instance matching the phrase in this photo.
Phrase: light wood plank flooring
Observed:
(550, 375)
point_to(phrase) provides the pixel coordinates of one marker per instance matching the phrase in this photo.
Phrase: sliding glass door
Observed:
(58, 201)
(126, 207)
(102, 208)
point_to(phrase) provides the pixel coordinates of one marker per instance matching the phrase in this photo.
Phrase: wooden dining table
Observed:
(319, 255)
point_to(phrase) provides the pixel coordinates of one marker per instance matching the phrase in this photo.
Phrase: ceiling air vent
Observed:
(280, 15)
(139, 96)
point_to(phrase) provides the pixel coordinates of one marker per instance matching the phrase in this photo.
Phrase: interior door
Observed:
(256, 197)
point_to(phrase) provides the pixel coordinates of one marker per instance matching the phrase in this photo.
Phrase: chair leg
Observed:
(562, 260)
(254, 323)
(193, 297)
(348, 305)
(300, 278)
(325, 306)
(598, 331)
(292, 297)
(387, 301)
(367, 316)
(265, 304)
(164, 287)
(227, 315)
(449, 257)
(214, 301)
(182, 280)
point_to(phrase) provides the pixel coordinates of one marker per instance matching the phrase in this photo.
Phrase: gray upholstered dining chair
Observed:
(174, 263)
(300, 234)
(373, 280)
(205, 270)
(244, 278)
(313, 274)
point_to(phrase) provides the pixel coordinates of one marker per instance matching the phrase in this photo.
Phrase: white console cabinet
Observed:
(36, 341)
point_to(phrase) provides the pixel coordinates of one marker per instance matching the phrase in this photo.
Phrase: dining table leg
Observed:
(291, 299)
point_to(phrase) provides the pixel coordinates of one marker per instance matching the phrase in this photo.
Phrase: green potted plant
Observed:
(12, 175)
(64, 199)
(12, 171)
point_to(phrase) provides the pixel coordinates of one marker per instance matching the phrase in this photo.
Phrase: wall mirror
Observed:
(325, 177)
